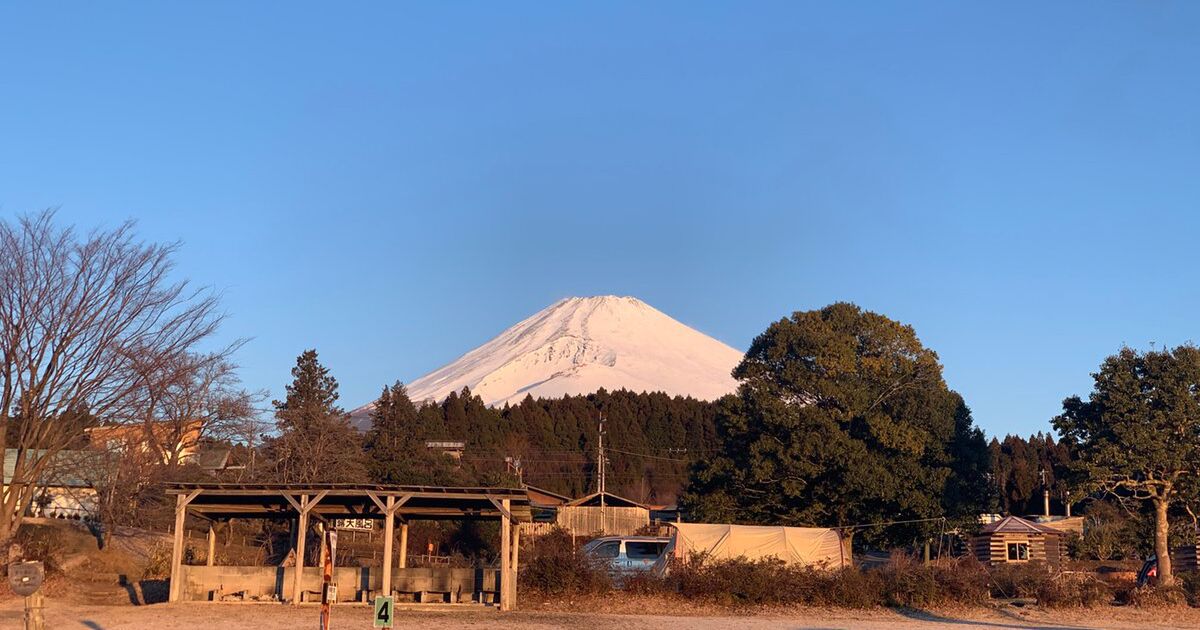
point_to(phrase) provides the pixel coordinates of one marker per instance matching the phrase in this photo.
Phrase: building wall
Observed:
(993, 548)
(593, 521)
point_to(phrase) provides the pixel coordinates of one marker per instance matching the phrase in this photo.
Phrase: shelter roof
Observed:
(341, 500)
(610, 500)
(544, 497)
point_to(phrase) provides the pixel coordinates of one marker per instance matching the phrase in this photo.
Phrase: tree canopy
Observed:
(316, 442)
(1138, 434)
(841, 417)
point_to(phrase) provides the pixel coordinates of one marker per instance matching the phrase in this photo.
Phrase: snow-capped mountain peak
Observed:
(578, 345)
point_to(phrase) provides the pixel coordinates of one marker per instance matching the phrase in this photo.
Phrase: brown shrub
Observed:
(741, 582)
(1069, 590)
(43, 544)
(1155, 597)
(908, 582)
(555, 567)
(1019, 581)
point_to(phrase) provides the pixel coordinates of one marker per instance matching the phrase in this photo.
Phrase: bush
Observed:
(556, 567)
(908, 582)
(1018, 581)
(1073, 591)
(42, 544)
(1155, 597)
(741, 582)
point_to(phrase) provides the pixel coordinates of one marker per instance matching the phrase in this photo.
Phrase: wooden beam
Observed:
(503, 506)
(516, 553)
(404, 545)
(212, 545)
(383, 508)
(505, 559)
(389, 532)
(176, 591)
(301, 535)
(295, 504)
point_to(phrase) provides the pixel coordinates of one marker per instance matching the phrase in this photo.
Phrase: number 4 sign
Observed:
(384, 609)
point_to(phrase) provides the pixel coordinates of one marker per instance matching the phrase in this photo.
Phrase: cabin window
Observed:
(1018, 551)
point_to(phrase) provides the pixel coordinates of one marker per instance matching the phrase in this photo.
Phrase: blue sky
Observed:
(395, 183)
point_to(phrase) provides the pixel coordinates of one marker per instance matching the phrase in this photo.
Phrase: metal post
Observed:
(389, 530)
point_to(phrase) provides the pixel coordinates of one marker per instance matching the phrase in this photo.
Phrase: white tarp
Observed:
(808, 546)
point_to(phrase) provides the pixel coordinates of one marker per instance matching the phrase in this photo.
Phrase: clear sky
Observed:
(395, 183)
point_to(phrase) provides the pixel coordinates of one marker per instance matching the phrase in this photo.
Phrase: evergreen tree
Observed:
(394, 448)
(316, 442)
(841, 418)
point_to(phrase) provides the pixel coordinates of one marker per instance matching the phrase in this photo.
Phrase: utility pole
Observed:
(600, 463)
(513, 465)
(1045, 494)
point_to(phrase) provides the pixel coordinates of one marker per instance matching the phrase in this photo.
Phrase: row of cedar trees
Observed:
(550, 443)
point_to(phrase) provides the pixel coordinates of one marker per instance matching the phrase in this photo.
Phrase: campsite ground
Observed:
(62, 615)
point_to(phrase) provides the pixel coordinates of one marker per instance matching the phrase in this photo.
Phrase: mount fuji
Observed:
(578, 345)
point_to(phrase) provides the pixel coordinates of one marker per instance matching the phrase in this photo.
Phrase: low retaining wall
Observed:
(199, 582)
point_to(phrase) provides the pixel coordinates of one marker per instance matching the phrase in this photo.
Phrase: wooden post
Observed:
(404, 545)
(35, 618)
(212, 544)
(301, 534)
(177, 549)
(389, 530)
(516, 554)
(505, 558)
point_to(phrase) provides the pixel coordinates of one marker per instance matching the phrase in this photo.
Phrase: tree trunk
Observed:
(1162, 547)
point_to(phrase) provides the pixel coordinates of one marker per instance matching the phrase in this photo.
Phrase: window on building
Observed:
(1018, 551)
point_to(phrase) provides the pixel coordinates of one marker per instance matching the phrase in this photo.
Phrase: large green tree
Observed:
(315, 441)
(842, 418)
(395, 449)
(1138, 434)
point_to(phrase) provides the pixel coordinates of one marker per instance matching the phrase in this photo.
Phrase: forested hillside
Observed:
(650, 439)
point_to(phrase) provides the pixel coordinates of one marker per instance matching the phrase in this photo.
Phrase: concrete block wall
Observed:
(199, 581)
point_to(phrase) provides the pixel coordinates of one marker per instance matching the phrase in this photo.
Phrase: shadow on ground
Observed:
(925, 615)
(144, 592)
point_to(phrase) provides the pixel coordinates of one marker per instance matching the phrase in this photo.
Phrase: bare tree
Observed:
(84, 319)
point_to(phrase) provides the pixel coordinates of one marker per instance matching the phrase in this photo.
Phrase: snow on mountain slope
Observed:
(577, 346)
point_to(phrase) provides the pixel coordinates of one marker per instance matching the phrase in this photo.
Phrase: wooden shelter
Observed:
(302, 503)
(1013, 539)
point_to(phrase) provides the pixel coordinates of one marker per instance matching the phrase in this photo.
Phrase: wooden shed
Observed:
(603, 514)
(1013, 539)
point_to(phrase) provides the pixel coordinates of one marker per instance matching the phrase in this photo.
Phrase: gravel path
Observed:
(64, 616)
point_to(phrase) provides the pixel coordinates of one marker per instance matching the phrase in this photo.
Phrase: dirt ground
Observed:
(61, 615)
